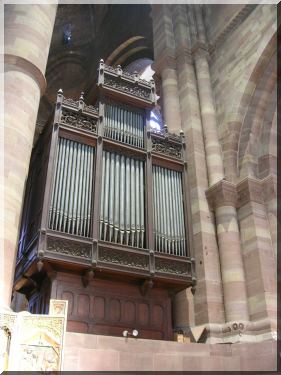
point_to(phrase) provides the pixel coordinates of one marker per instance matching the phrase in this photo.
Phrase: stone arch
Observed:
(134, 48)
(114, 55)
(267, 157)
(231, 141)
(255, 129)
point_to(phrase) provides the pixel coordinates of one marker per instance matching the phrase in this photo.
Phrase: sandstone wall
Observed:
(104, 353)
(236, 66)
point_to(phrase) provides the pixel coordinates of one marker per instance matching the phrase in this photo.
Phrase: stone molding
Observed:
(270, 190)
(29, 68)
(225, 193)
(233, 24)
(184, 55)
(200, 50)
(235, 332)
(166, 60)
(250, 190)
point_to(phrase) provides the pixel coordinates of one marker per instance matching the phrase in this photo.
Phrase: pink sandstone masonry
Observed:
(104, 353)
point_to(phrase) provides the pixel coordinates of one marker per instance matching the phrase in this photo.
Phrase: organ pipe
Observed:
(122, 218)
(168, 213)
(124, 125)
(70, 208)
(123, 200)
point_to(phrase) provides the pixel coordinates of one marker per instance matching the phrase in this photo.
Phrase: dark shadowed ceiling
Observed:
(119, 34)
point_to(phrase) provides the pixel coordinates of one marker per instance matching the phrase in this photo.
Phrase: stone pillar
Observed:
(165, 64)
(270, 199)
(258, 254)
(208, 112)
(28, 32)
(171, 106)
(208, 298)
(223, 198)
(224, 195)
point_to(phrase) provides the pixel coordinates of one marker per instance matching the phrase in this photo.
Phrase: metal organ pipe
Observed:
(168, 228)
(123, 201)
(124, 125)
(128, 201)
(70, 209)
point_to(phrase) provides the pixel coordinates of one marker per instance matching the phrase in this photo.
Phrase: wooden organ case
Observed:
(105, 219)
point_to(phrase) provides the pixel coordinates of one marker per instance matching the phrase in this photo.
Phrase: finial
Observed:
(136, 76)
(60, 91)
(181, 133)
(101, 61)
(119, 70)
(82, 96)
(165, 128)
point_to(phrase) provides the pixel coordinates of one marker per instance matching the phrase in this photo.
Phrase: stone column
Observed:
(258, 254)
(208, 113)
(165, 65)
(170, 90)
(224, 195)
(28, 32)
(208, 298)
(223, 198)
(270, 199)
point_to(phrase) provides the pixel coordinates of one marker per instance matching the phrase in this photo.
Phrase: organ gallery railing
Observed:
(115, 194)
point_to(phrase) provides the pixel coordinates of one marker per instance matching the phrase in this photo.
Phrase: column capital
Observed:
(200, 49)
(184, 55)
(166, 60)
(250, 190)
(223, 193)
(271, 187)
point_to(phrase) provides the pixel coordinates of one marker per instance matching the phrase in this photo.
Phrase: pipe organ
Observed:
(122, 200)
(168, 223)
(123, 124)
(71, 199)
(105, 222)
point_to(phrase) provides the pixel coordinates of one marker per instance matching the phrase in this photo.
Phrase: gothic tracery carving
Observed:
(124, 258)
(71, 248)
(170, 266)
(127, 87)
(165, 146)
(79, 121)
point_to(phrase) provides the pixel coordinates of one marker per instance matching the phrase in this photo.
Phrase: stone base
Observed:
(235, 332)
(85, 352)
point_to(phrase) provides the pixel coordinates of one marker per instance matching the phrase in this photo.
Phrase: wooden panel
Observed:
(75, 326)
(157, 315)
(99, 308)
(110, 307)
(129, 312)
(83, 305)
(143, 314)
(114, 310)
